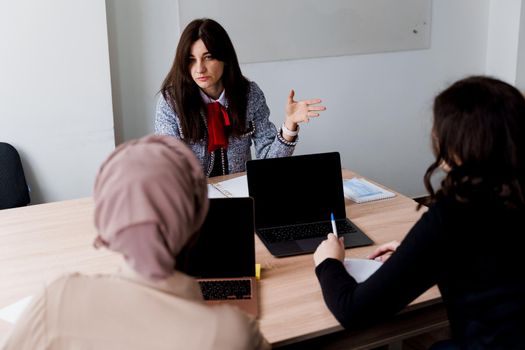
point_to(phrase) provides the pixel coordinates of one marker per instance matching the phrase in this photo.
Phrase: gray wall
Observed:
(143, 36)
(55, 93)
(55, 88)
(378, 114)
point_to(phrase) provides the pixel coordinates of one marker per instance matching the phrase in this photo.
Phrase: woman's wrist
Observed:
(290, 132)
(290, 125)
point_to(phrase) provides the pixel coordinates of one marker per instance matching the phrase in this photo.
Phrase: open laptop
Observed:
(294, 197)
(222, 255)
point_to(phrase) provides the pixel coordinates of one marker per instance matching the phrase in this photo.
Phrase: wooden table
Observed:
(38, 243)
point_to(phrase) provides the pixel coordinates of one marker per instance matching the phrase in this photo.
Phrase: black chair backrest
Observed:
(13, 187)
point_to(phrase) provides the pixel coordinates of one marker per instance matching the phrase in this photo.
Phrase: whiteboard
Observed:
(273, 30)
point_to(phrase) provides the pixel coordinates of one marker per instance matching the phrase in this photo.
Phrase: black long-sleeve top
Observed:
(474, 253)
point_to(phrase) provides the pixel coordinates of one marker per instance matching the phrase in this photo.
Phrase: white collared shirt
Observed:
(222, 98)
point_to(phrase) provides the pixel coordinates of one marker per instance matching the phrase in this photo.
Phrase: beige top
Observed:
(126, 311)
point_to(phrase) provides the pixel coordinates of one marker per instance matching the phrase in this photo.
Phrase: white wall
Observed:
(379, 105)
(55, 92)
(506, 42)
(520, 65)
(503, 39)
(143, 35)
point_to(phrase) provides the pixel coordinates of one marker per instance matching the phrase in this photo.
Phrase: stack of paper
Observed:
(361, 191)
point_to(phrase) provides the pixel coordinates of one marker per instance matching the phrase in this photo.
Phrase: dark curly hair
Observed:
(479, 135)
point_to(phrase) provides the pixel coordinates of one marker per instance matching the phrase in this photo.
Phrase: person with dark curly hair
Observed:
(469, 242)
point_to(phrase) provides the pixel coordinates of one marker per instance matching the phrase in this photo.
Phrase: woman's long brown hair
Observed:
(182, 93)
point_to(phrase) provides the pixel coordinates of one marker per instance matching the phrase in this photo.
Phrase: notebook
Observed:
(361, 191)
(236, 187)
(294, 197)
(222, 255)
(361, 269)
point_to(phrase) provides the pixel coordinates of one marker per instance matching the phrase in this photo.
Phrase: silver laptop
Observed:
(294, 198)
(222, 255)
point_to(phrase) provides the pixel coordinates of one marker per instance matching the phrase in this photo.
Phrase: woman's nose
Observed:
(200, 67)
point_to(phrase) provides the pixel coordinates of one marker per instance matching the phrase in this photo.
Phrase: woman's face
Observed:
(205, 70)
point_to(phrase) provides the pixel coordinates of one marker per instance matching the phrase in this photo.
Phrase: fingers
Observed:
(315, 108)
(378, 252)
(383, 250)
(331, 236)
(383, 257)
(310, 106)
(312, 101)
(311, 111)
(291, 96)
(309, 102)
(301, 111)
(331, 247)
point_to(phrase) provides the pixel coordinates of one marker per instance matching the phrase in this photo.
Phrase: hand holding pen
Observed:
(334, 228)
(331, 247)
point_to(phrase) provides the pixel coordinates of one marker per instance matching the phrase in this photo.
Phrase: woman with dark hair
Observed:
(212, 107)
(470, 240)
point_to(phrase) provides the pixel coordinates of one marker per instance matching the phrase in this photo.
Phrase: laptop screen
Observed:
(296, 190)
(225, 245)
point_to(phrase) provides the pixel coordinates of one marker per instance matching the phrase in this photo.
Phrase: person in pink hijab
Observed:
(150, 198)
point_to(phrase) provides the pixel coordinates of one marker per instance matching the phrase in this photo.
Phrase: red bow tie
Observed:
(217, 120)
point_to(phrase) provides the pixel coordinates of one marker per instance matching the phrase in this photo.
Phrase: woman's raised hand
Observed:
(301, 111)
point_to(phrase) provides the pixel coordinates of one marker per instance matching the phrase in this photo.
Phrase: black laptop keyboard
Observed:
(224, 290)
(312, 230)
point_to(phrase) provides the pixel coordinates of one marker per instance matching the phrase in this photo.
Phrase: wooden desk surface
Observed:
(39, 243)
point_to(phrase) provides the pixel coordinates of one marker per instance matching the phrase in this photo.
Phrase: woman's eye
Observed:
(208, 58)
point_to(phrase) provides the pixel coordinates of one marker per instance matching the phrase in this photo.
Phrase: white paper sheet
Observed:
(236, 187)
(361, 269)
(214, 192)
(12, 312)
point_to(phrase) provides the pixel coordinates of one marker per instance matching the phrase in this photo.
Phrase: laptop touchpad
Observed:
(285, 248)
(310, 244)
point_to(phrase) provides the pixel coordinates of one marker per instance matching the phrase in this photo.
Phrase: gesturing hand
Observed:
(301, 111)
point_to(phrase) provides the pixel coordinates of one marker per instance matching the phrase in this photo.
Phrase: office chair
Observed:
(13, 186)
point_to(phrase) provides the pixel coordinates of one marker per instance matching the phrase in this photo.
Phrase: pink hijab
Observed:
(150, 198)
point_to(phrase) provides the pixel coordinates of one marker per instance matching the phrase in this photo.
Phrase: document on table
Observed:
(361, 191)
(213, 192)
(236, 187)
(361, 269)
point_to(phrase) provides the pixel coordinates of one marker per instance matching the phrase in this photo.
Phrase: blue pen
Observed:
(334, 228)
